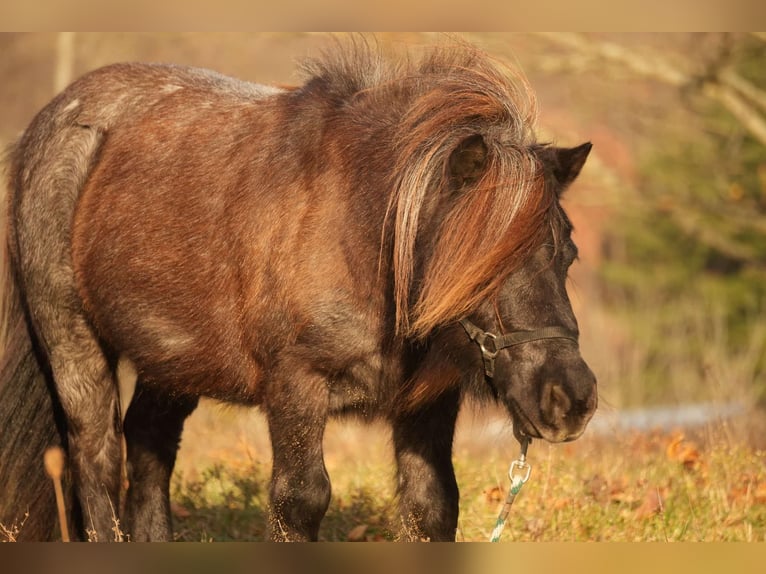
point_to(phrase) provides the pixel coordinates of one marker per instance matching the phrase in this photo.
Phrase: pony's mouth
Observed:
(524, 426)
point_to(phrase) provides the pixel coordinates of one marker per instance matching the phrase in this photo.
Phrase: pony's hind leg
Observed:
(49, 167)
(86, 388)
(153, 426)
(82, 374)
(428, 492)
(300, 486)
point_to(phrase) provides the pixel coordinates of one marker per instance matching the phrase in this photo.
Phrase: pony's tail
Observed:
(28, 424)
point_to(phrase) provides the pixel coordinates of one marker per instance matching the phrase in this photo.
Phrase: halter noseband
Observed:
(491, 344)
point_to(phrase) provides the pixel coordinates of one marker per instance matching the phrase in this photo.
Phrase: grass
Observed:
(709, 485)
(643, 487)
(655, 486)
(227, 504)
(220, 487)
(10, 532)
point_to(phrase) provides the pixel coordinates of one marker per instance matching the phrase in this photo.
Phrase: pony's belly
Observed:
(179, 358)
(363, 389)
(350, 399)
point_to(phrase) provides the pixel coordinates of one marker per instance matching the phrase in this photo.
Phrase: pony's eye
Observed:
(573, 252)
(568, 253)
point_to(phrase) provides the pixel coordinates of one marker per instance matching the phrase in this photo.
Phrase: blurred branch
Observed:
(724, 86)
(694, 226)
(615, 53)
(739, 108)
(64, 60)
(751, 92)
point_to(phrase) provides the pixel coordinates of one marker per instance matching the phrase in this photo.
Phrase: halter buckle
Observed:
(500, 342)
(490, 354)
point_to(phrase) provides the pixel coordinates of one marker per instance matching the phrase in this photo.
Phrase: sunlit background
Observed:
(670, 289)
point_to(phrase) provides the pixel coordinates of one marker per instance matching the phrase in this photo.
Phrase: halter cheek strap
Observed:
(491, 344)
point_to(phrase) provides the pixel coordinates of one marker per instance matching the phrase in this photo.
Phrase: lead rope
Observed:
(519, 474)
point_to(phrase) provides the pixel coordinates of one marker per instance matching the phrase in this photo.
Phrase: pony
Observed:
(383, 241)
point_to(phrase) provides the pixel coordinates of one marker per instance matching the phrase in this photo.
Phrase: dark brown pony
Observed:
(381, 241)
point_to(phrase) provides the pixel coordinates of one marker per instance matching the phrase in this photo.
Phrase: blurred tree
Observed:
(65, 56)
(687, 262)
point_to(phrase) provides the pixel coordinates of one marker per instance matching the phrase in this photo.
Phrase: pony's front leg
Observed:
(300, 487)
(427, 489)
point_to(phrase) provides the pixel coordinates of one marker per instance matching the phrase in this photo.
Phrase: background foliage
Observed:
(670, 289)
(688, 263)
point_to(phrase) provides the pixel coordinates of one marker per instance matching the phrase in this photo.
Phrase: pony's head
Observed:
(526, 335)
(481, 245)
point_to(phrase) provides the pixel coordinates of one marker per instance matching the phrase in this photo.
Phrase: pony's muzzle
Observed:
(566, 408)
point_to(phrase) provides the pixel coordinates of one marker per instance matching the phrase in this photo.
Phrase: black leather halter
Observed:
(491, 344)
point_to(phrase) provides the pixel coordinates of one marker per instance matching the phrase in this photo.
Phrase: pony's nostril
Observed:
(555, 404)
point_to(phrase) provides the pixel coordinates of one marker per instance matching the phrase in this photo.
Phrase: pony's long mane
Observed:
(434, 103)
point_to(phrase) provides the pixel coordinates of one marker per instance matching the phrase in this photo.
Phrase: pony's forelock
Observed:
(492, 224)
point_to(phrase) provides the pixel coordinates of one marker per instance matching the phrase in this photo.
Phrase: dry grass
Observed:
(705, 485)
(709, 485)
(11, 533)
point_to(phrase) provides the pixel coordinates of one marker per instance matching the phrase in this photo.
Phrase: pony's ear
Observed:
(567, 163)
(467, 161)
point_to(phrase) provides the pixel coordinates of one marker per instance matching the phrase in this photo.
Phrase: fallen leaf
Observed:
(683, 451)
(598, 488)
(494, 495)
(536, 527)
(357, 533)
(617, 489)
(179, 511)
(651, 505)
(759, 495)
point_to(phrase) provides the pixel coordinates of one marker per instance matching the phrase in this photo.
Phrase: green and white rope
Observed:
(519, 474)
